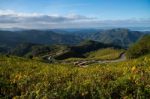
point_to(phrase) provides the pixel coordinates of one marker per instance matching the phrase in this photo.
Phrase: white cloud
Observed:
(9, 18)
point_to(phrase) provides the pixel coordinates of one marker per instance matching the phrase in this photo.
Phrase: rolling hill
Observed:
(58, 51)
(86, 46)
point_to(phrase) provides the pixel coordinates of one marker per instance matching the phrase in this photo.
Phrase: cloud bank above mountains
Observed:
(10, 19)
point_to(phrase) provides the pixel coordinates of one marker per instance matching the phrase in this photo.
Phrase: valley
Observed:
(86, 70)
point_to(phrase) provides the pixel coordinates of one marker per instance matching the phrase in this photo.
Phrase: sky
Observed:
(46, 14)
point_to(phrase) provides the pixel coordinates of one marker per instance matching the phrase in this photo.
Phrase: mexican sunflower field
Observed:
(22, 78)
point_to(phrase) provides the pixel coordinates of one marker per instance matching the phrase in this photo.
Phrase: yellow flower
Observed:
(15, 97)
(82, 94)
(125, 97)
(133, 68)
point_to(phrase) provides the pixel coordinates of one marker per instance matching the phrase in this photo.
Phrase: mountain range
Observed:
(118, 36)
(13, 38)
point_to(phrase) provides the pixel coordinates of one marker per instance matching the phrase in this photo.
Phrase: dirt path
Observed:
(122, 58)
(84, 63)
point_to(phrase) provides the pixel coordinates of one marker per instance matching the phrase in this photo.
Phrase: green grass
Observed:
(30, 79)
(105, 54)
(102, 54)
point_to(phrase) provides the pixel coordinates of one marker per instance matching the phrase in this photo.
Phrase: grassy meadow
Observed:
(105, 54)
(22, 78)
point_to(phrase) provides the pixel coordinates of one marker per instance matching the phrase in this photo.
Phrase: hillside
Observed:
(105, 54)
(102, 55)
(123, 37)
(24, 78)
(119, 36)
(57, 51)
(37, 50)
(140, 48)
(86, 46)
(29, 49)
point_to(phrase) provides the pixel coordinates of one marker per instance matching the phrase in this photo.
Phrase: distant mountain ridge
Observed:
(122, 37)
(37, 37)
(119, 36)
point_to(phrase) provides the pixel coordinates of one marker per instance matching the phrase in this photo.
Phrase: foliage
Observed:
(31, 79)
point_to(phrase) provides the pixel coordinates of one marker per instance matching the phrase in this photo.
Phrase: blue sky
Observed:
(93, 12)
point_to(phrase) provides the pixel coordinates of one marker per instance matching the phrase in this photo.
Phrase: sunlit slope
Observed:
(140, 48)
(105, 54)
(23, 78)
(101, 54)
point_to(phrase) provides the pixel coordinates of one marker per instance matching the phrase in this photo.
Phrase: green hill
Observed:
(140, 48)
(37, 50)
(105, 54)
(84, 47)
